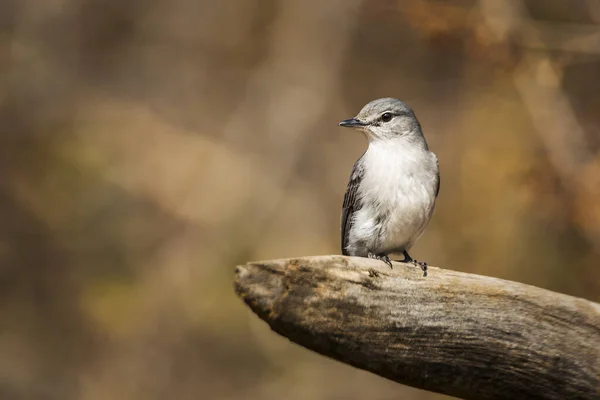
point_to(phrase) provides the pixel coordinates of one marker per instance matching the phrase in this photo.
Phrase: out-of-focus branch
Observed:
(460, 334)
(572, 38)
(538, 80)
(538, 83)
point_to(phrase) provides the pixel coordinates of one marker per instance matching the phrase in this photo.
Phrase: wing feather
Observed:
(437, 178)
(352, 203)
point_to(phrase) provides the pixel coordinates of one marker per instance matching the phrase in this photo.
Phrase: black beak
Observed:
(351, 123)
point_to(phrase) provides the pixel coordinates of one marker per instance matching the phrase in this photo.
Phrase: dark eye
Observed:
(386, 117)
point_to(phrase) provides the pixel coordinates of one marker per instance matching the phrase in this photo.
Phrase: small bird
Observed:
(393, 186)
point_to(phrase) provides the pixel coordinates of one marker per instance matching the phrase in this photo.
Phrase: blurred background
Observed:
(148, 147)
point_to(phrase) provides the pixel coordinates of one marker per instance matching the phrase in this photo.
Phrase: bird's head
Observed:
(385, 119)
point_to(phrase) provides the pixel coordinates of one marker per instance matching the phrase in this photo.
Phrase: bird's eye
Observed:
(386, 117)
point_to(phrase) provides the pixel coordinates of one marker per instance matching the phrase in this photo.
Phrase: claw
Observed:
(382, 257)
(409, 259)
(387, 260)
(423, 266)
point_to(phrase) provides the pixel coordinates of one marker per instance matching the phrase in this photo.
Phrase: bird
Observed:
(392, 190)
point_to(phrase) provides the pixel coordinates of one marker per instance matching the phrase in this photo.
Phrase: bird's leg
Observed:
(382, 257)
(409, 259)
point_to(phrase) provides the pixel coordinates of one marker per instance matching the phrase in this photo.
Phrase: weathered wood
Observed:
(460, 334)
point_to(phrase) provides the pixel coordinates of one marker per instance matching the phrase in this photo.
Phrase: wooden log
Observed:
(464, 335)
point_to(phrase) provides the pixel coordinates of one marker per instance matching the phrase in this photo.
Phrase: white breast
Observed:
(398, 193)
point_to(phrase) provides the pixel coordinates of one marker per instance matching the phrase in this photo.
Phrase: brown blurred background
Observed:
(148, 147)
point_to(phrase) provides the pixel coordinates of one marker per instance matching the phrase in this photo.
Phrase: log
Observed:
(464, 335)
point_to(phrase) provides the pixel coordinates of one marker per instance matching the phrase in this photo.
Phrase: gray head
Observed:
(386, 118)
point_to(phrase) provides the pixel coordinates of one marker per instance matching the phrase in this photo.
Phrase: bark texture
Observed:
(465, 335)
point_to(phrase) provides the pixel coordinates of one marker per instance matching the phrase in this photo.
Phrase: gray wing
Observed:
(437, 178)
(351, 202)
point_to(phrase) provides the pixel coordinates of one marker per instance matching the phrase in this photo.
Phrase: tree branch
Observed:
(460, 334)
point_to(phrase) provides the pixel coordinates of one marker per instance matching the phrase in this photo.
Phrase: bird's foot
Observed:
(421, 264)
(382, 257)
(409, 259)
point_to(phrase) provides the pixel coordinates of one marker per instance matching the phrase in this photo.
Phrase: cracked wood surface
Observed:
(464, 335)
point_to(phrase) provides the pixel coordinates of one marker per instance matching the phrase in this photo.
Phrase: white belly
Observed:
(397, 193)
